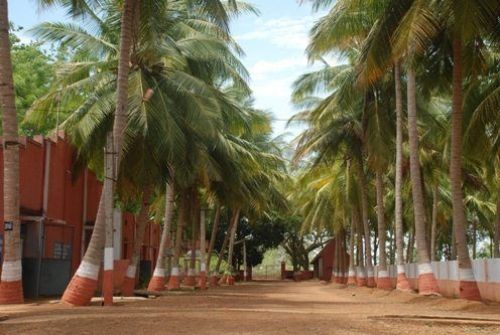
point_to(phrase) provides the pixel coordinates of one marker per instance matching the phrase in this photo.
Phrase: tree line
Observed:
(402, 135)
(154, 97)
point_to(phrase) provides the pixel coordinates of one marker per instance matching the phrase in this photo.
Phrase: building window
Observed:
(62, 251)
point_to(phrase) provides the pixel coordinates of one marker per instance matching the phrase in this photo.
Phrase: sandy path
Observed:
(263, 308)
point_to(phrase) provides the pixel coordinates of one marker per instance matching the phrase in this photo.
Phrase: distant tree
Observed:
(33, 70)
(266, 233)
(299, 245)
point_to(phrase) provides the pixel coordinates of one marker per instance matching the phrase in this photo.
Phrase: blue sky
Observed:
(274, 43)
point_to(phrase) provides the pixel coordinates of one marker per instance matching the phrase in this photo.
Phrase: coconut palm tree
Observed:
(88, 270)
(358, 134)
(11, 290)
(427, 282)
(481, 115)
(324, 198)
(113, 151)
(402, 281)
(424, 22)
(11, 282)
(345, 24)
(464, 29)
(395, 17)
(374, 61)
(217, 39)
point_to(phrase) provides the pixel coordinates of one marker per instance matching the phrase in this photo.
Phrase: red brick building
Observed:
(324, 261)
(58, 208)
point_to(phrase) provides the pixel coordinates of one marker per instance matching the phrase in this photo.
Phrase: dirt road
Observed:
(262, 308)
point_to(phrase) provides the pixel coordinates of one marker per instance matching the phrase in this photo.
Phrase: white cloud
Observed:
(279, 44)
(263, 69)
(283, 32)
(25, 39)
(275, 88)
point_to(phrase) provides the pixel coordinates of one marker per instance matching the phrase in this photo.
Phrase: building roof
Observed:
(320, 254)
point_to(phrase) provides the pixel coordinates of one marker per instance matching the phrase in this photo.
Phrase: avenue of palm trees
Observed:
(159, 86)
(423, 170)
(399, 157)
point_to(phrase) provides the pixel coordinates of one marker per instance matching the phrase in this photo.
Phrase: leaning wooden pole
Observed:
(351, 277)
(232, 237)
(190, 279)
(173, 282)
(213, 236)
(223, 248)
(203, 263)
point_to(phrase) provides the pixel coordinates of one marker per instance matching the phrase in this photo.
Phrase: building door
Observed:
(47, 253)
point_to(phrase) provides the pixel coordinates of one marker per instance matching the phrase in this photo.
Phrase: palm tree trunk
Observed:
(224, 244)
(190, 279)
(141, 223)
(402, 282)
(173, 282)
(157, 282)
(203, 260)
(434, 222)
(468, 285)
(474, 238)
(130, 10)
(108, 190)
(84, 283)
(411, 245)
(496, 238)
(427, 283)
(11, 290)
(370, 281)
(360, 273)
(213, 236)
(351, 277)
(383, 280)
(232, 238)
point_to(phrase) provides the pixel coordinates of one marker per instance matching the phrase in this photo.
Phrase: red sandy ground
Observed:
(262, 308)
